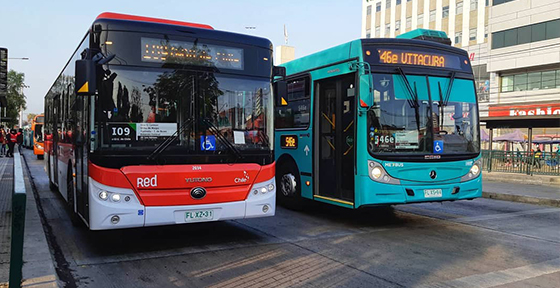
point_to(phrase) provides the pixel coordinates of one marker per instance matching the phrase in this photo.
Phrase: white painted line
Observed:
(506, 215)
(502, 277)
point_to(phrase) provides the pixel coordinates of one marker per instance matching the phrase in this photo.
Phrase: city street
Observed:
(479, 243)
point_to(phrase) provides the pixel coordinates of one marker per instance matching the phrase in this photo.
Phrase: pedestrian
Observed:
(12, 140)
(2, 141)
(20, 138)
(537, 158)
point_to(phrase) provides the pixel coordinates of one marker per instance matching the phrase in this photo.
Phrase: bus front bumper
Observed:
(110, 214)
(374, 193)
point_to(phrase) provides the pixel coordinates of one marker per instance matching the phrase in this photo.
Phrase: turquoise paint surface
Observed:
(367, 191)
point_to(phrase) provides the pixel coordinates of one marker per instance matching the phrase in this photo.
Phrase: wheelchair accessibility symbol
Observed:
(208, 143)
(438, 146)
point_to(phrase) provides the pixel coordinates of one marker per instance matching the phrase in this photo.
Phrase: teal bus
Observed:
(379, 122)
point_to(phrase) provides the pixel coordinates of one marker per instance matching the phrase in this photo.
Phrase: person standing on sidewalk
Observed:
(2, 141)
(12, 142)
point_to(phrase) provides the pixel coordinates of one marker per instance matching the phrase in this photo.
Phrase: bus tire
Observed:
(40, 157)
(288, 183)
(74, 218)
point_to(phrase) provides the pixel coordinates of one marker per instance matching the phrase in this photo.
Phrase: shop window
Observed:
(520, 82)
(507, 83)
(534, 81)
(549, 80)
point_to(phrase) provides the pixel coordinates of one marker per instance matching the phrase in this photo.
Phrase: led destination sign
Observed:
(182, 52)
(419, 58)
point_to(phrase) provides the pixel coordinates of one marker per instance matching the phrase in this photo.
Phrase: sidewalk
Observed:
(537, 189)
(38, 266)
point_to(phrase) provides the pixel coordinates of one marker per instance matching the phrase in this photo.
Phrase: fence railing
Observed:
(521, 162)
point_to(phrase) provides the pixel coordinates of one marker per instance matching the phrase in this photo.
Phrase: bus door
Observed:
(335, 137)
(81, 155)
(57, 129)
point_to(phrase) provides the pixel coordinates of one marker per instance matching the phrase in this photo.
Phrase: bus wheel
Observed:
(288, 185)
(74, 218)
(40, 157)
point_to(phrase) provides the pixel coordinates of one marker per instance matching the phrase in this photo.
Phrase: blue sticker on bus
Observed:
(438, 146)
(208, 143)
(140, 212)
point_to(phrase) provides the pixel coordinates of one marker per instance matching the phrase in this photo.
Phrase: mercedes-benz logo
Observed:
(433, 174)
(198, 193)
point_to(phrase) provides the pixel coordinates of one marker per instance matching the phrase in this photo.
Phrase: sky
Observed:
(48, 32)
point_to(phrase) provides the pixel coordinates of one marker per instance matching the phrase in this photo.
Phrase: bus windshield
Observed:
(139, 108)
(429, 118)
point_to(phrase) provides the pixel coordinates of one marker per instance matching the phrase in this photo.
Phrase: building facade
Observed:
(464, 21)
(514, 46)
(524, 61)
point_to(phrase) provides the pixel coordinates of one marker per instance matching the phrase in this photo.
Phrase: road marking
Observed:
(507, 215)
(502, 277)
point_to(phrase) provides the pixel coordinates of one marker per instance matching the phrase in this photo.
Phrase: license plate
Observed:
(432, 193)
(199, 215)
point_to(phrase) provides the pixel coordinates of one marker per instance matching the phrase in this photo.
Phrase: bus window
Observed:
(294, 112)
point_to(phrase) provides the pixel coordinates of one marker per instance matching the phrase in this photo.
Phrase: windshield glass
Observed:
(38, 133)
(400, 122)
(140, 108)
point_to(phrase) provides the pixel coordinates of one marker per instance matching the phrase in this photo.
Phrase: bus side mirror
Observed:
(279, 71)
(366, 91)
(85, 77)
(280, 92)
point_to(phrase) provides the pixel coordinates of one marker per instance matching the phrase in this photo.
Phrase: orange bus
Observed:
(37, 128)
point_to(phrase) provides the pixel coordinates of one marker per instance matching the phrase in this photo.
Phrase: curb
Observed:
(38, 268)
(522, 199)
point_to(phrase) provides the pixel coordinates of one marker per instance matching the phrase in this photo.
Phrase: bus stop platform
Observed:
(535, 189)
(38, 266)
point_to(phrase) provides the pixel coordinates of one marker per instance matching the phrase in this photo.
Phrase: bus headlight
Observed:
(473, 172)
(116, 197)
(103, 195)
(377, 173)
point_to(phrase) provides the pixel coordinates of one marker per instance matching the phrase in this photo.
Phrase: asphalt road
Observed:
(479, 243)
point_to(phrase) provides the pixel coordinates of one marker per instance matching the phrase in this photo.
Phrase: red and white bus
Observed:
(158, 122)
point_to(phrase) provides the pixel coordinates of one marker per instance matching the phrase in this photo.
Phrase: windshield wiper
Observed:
(161, 147)
(414, 95)
(212, 127)
(448, 93)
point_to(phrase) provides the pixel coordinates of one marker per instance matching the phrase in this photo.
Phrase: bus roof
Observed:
(118, 16)
(353, 50)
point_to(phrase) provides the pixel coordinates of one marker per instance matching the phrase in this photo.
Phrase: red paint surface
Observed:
(545, 109)
(168, 185)
(111, 15)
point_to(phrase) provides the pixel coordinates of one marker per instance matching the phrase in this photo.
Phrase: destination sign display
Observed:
(404, 57)
(289, 141)
(189, 53)
(399, 55)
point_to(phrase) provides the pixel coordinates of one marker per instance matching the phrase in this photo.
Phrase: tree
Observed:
(16, 99)
(30, 117)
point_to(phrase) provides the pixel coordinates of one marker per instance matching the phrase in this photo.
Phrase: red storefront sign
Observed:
(545, 109)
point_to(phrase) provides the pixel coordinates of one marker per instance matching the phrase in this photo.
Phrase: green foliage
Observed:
(16, 98)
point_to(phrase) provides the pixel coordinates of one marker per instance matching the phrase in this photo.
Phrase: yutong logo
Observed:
(146, 182)
(199, 180)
